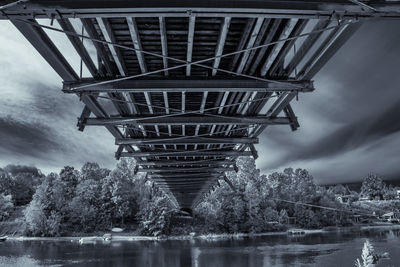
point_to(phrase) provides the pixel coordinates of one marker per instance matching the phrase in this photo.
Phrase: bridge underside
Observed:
(185, 87)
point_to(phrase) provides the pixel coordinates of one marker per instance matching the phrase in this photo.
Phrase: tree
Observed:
(6, 206)
(22, 189)
(118, 188)
(70, 177)
(5, 182)
(86, 206)
(373, 187)
(24, 180)
(155, 210)
(45, 214)
(339, 189)
(389, 193)
(92, 170)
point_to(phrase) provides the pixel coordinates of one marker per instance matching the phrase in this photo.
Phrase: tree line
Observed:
(96, 199)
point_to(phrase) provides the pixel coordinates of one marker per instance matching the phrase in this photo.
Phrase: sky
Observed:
(349, 126)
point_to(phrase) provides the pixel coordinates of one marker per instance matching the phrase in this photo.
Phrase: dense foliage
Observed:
(20, 182)
(6, 206)
(95, 199)
(373, 187)
(259, 203)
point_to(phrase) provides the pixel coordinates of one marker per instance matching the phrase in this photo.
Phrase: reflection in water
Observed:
(333, 249)
(195, 256)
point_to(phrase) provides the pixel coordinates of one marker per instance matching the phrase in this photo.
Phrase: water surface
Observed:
(323, 249)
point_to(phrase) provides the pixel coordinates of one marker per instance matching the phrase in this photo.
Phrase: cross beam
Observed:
(187, 163)
(202, 8)
(186, 140)
(183, 176)
(186, 154)
(194, 169)
(189, 85)
(188, 120)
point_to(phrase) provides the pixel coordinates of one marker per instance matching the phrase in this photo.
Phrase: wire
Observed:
(179, 112)
(197, 63)
(320, 207)
(363, 5)
(4, 7)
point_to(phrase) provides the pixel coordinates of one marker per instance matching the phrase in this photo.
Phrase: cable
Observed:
(4, 7)
(197, 63)
(363, 5)
(179, 112)
(319, 206)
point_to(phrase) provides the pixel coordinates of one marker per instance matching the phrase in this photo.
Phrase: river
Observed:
(319, 249)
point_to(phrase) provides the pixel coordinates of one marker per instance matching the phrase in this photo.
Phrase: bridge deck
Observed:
(195, 86)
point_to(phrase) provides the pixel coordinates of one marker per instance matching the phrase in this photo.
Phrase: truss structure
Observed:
(186, 87)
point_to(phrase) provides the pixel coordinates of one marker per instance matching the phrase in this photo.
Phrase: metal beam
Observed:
(277, 68)
(187, 120)
(277, 47)
(201, 8)
(107, 32)
(344, 35)
(259, 39)
(250, 44)
(192, 21)
(186, 154)
(82, 119)
(244, 36)
(42, 43)
(79, 47)
(164, 43)
(181, 169)
(101, 51)
(221, 43)
(279, 104)
(187, 163)
(271, 33)
(306, 46)
(191, 177)
(137, 44)
(186, 175)
(190, 85)
(187, 140)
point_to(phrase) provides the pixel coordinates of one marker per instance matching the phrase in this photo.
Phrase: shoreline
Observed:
(210, 237)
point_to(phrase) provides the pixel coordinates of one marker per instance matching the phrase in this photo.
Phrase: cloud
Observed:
(31, 139)
(356, 105)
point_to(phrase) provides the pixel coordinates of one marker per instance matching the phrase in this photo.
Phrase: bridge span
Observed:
(186, 87)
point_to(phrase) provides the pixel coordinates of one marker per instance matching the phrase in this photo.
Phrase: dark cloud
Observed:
(349, 137)
(24, 138)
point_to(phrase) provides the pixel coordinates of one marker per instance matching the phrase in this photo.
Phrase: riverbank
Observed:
(211, 237)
